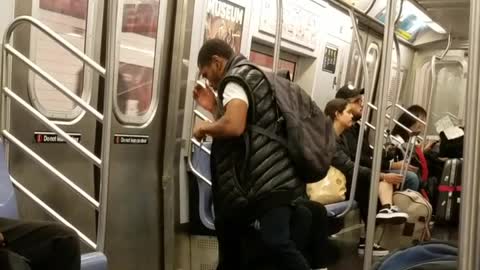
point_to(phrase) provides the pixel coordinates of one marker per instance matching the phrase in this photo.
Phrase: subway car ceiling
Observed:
(421, 22)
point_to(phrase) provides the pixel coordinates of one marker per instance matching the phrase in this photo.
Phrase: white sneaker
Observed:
(378, 251)
(392, 215)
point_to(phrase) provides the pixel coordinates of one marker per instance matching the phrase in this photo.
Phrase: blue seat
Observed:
(8, 202)
(94, 261)
(201, 163)
(8, 209)
(336, 209)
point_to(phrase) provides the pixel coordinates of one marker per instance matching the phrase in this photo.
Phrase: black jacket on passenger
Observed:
(252, 173)
(344, 159)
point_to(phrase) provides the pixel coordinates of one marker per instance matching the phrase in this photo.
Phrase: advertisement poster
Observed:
(408, 27)
(300, 25)
(225, 21)
(330, 59)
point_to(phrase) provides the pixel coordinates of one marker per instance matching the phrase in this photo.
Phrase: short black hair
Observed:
(335, 105)
(408, 121)
(214, 47)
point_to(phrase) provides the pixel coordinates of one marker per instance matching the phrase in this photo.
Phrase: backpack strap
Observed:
(269, 134)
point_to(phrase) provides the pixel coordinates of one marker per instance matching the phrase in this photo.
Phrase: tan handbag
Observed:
(329, 190)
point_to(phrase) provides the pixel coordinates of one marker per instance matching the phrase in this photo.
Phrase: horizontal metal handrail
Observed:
(59, 86)
(372, 127)
(76, 145)
(390, 118)
(410, 114)
(52, 212)
(59, 40)
(201, 146)
(8, 53)
(95, 204)
(201, 115)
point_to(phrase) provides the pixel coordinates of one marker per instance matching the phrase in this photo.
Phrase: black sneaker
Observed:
(378, 251)
(392, 215)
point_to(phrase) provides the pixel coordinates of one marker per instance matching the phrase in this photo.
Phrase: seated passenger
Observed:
(38, 246)
(401, 137)
(345, 161)
(252, 175)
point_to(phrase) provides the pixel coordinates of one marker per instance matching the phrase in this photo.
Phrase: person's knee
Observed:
(66, 239)
(412, 181)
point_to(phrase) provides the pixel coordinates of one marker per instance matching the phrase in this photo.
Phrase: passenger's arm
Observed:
(231, 124)
(2, 240)
(342, 162)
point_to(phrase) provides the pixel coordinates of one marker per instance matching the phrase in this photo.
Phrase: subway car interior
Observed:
(97, 116)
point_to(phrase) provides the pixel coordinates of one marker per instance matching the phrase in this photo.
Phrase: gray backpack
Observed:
(310, 136)
(433, 255)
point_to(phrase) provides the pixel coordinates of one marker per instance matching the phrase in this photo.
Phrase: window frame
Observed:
(76, 114)
(141, 121)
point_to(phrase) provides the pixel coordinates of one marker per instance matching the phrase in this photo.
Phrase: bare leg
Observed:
(385, 193)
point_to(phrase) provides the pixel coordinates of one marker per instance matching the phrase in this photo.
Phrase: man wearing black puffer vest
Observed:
(254, 181)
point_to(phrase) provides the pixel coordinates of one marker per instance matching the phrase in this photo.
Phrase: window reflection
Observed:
(135, 69)
(67, 18)
(449, 92)
(266, 61)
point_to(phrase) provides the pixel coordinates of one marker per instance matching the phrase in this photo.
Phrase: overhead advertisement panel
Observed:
(301, 24)
(411, 22)
(225, 21)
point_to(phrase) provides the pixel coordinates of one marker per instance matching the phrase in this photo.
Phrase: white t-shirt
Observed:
(234, 91)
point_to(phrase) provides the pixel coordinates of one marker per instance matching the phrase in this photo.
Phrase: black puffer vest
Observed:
(252, 173)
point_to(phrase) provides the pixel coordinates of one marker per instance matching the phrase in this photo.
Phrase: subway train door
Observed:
(331, 78)
(372, 56)
(80, 24)
(334, 58)
(448, 96)
(134, 217)
(134, 221)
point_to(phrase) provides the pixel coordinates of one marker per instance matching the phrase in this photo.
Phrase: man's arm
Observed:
(231, 124)
(342, 161)
(2, 240)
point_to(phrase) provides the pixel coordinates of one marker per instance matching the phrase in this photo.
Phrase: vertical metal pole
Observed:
(434, 83)
(365, 111)
(278, 36)
(469, 215)
(4, 84)
(399, 82)
(107, 120)
(169, 167)
(380, 123)
(6, 102)
(430, 94)
(3, 110)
